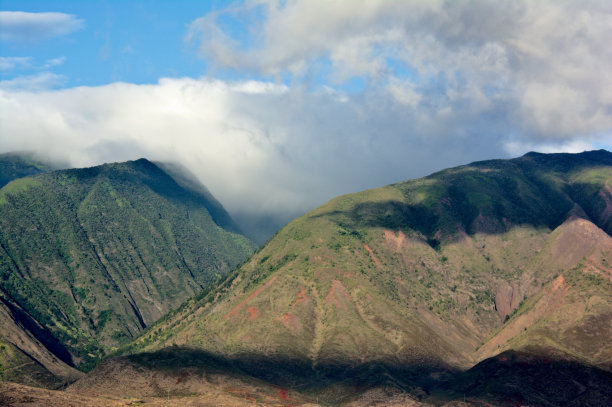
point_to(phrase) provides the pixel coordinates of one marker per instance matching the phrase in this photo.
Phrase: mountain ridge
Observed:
(95, 255)
(415, 278)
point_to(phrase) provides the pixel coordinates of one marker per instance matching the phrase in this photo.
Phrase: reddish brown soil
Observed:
(559, 283)
(337, 295)
(253, 313)
(301, 297)
(598, 269)
(291, 321)
(283, 394)
(242, 303)
(395, 241)
(374, 258)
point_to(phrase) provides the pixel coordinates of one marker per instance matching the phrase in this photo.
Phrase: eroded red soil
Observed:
(254, 294)
(372, 255)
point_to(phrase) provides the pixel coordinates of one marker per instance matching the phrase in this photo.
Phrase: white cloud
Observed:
(516, 147)
(10, 63)
(445, 83)
(548, 62)
(27, 63)
(260, 147)
(25, 27)
(50, 63)
(30, 83)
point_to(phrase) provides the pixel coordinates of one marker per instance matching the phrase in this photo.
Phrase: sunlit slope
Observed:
(95, 255)
(420, 273)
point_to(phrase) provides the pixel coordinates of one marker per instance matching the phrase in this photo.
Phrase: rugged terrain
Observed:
(412, 284)
(90, 257)
(488, 284)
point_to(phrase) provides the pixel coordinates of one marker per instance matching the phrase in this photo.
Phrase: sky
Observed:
(279, 106)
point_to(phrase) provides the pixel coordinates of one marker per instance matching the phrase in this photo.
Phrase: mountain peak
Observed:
(412, 278)
(97, 254)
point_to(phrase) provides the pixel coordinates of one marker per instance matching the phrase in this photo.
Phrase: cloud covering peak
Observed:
(320, 98)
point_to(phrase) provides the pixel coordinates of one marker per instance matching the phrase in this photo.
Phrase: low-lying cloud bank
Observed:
(258, 146)
(442, 83)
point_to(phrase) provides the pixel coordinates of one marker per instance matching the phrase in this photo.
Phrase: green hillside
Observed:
(20, 164)
(416, 281)
(90, 257)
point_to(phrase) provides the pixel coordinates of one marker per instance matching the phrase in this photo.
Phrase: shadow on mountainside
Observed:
(539, 378)
(540, 190)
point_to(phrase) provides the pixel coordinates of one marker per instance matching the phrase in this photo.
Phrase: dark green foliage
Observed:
(95, 254)
(490, 196)
(19, 165)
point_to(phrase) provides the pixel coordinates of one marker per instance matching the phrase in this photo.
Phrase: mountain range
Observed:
(90, 257)
(485, 284)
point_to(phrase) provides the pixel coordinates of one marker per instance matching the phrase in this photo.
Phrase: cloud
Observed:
(27, 63)
(444, 83)
(547, 62)
(31, 83)
(516, 148)
(10, 63)
(24, 27)
(53, 62)
(260, 147)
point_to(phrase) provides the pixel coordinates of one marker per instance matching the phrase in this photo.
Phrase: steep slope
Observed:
(29, 352)
(189, 181)
(93, 256)
(407, 284)
(15, 165)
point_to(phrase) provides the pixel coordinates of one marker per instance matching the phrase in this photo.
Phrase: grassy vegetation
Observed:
(411, 278)
(19, 165)
(97, 254)
(365, 275)
(404, 281)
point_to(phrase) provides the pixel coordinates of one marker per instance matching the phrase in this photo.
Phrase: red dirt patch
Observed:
(259, 289)
(291, 321)
(301, 297)
(598, 269)
(337, 295)
(395, 241)
(559, 283)
(253, 313)
(376, 261)
(283, 394)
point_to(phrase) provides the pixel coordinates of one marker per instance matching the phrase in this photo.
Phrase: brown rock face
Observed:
(507, 298)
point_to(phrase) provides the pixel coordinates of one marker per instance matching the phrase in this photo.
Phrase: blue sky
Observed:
(278, 106)
(137, 42)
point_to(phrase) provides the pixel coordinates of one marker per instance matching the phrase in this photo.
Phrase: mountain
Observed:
(415, 286)
(90, 257)
(15, 165)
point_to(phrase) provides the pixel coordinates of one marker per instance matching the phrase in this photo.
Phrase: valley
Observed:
(488, 284)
